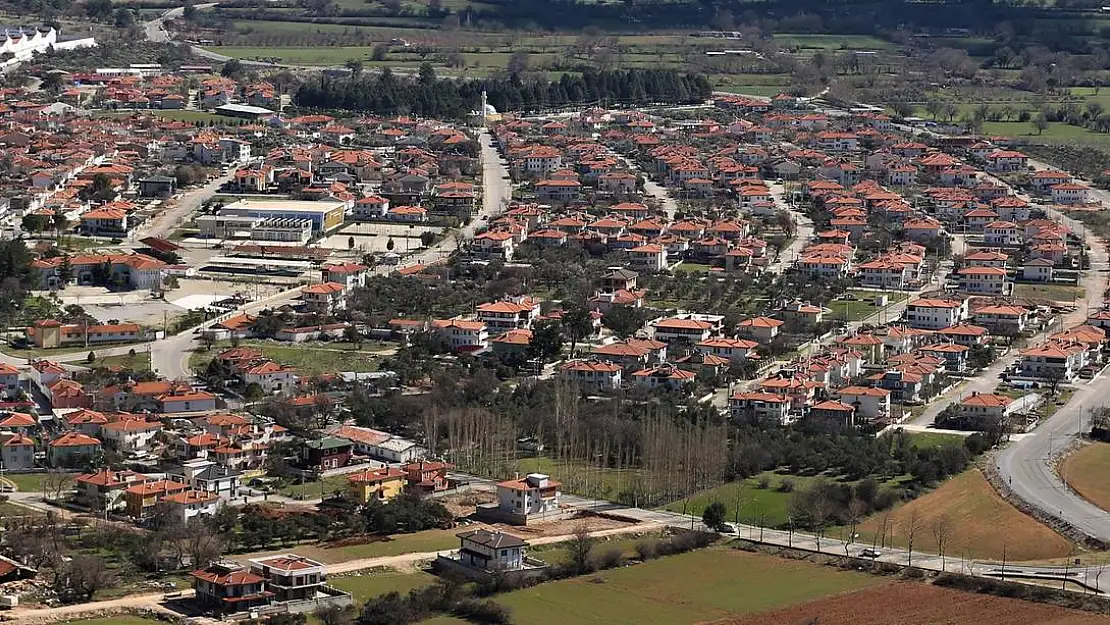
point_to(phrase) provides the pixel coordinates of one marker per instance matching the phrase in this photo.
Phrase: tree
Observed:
(1040, 122)
(124, 18)
(91, 358)
(623, 320)
(355, 66)
(86, 575)
(334, 615)
(232, 69)
(578, 550)
(942, 533)
(901, 109)
(714, 516)
(518, 63)
(910, 526)
(34, 223)
(379, 51)
(253, 392)
(350, 243)
(389, 245)
(547, 340)
(934, 107)
(577, 323)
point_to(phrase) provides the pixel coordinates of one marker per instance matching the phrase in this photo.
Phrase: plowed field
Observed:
(907, 603)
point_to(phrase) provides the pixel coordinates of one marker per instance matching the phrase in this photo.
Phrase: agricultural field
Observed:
(696, 587)
(1086, 471)
(975, 511)
(909, 603)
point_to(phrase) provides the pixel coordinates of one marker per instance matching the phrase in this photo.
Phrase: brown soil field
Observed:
(1086, 471)
(909, 603)
(976, 514)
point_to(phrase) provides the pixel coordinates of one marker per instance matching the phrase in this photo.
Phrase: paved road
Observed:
(497, 192)
(1025, 465)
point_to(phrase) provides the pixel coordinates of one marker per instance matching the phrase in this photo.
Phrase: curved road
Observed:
(1026, 465)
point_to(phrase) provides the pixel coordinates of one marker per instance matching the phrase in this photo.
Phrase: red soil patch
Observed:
(908, 603)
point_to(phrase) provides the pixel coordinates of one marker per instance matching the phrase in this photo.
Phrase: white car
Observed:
(727, 528)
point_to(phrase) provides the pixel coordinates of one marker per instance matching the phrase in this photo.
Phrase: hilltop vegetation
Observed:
(428, 95)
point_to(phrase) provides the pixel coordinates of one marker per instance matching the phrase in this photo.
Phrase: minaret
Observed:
(484, 109)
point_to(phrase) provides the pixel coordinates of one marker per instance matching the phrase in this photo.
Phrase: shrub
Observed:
(786, 486)
(484, 612)
(763, 483)
(647, 549)
(606, 558)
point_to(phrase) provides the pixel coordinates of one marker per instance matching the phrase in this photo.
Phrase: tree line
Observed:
(427, 95)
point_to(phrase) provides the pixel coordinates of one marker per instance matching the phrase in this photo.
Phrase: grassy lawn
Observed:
(398, 544)
(309, 359)
(765, 506)
(691, 268)
(138, 363)
(976, 513)
(1056, 292)
(364, 587)
(26, 482)
(862, 307)
(696, 587)
(1086, 471)
(933, 439)
(445, 620)
(296, 55)
(580, 479)
(314, 489)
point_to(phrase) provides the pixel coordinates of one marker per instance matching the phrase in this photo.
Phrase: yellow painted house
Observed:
(381, 484)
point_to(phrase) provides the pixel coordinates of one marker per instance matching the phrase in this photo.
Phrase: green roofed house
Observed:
(326, 453)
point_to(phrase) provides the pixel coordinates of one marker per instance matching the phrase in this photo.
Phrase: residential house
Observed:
(73, 449)
(935, 314)
(759, 407)
(291, 577)
(228, 587)
(870, 403)
(597, 374)
(187, 505)
(381, 484)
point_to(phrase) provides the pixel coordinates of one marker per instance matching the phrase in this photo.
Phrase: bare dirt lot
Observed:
(908, 603)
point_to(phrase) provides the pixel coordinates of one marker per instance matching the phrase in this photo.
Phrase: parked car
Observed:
(728, 528)
(870, 553)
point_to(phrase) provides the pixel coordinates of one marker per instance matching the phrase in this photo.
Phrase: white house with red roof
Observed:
(463, 335)
(593, 373)
(17, 451)
(325, 298)
(350, 275)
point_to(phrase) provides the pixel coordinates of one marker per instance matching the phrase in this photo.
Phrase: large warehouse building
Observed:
(325, 215)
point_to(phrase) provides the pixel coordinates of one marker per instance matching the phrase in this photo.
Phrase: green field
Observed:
(308, 358)
(696, 587)
(581, 479)
(758, 506)
(398, 544)
(26, 482)
(364, 587)
(832, 42)
(862, 307)
(1059, 293)
(139, 363)
(316, 489)
(1056, 132)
